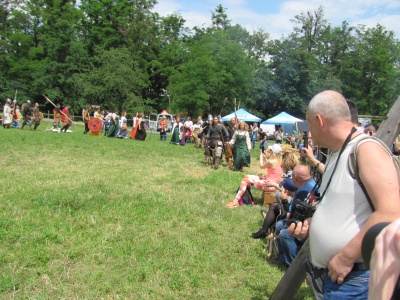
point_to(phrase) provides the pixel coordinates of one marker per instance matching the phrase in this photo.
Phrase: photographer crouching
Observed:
(344, 213)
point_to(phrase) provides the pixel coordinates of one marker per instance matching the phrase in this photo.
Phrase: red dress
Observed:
(134, 128)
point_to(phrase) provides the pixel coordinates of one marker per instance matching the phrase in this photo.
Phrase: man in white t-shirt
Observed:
(344, 215)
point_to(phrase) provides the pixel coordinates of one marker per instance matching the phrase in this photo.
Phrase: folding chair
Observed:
(271, 247)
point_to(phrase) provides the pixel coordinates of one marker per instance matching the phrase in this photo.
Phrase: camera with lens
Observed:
(301, 210)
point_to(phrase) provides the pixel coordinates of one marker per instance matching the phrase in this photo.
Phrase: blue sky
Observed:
(274, 15)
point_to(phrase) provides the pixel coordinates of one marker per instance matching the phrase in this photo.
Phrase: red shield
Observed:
(95, 125)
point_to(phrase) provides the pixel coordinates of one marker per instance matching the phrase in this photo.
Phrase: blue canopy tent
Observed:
(242, 115)
(286, 121)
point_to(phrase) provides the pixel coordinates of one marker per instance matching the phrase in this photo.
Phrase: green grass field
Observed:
(85, 217)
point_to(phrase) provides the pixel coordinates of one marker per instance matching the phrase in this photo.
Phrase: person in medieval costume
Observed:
(57, 116)
(242, 143)
(17, 116)
(175, 131)
(27, 114)
(135, 126)
(217, 136)
(203, 131)
(123, 127)
(196, 132)
(141, 132)
(230, 149)
(7, 114)
(114, 124)
(86, 118)
(65, 119)
(37, 116)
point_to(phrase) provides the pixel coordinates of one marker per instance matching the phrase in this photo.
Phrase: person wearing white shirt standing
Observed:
(7, 115)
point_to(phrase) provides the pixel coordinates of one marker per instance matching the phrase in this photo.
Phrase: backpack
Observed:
(353, 164)
(247, 197)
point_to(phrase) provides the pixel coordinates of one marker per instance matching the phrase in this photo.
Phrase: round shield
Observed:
(95, 125)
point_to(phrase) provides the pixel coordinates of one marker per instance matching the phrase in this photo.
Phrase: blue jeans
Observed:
(279, 226)
(355, 286)
(288, 246)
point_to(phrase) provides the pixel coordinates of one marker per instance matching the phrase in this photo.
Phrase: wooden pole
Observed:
(223, 105)
(60, 109)
(293, 277)
(296, 273)
(390, 126)
(15, 96)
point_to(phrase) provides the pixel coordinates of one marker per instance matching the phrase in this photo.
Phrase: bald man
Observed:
(288, 245)
(344, 214)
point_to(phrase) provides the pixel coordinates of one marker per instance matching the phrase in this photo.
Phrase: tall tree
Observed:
(312, 27)
(168, 55)
(370, 75)
(61, 33)
(114, 80)
(220, 19)
(217, 68)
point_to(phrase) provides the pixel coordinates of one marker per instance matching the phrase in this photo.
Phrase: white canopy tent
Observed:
(286, 121)
(242, 115)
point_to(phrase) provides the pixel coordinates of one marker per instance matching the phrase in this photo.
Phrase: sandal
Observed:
(232, 204)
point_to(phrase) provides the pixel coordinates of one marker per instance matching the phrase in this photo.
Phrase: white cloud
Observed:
(277, 23)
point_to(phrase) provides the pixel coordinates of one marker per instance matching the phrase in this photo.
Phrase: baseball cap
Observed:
(289, 185)
(8, 100)
(28, 101)
(275, 148)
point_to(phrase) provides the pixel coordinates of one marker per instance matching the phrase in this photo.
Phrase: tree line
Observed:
(121, 54)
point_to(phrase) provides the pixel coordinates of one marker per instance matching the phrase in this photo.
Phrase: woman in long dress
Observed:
(123, 130)
(7, 114)
(135, 126)
(175, 131)
(141, 132)
(114, 124)
(242, 143)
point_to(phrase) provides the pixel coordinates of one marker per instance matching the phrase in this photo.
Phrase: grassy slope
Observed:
(85, 217)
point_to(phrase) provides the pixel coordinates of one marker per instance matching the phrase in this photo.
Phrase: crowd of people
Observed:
(335, 212)
(28, 114)
(105, 123)
(342, 208)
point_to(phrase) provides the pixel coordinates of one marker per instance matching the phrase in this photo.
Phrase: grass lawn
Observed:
(85, 217)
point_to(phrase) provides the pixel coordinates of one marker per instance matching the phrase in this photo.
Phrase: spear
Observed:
(15, 101)
(15, 96)
(237, 121)
(60, 110)
(223, 106)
